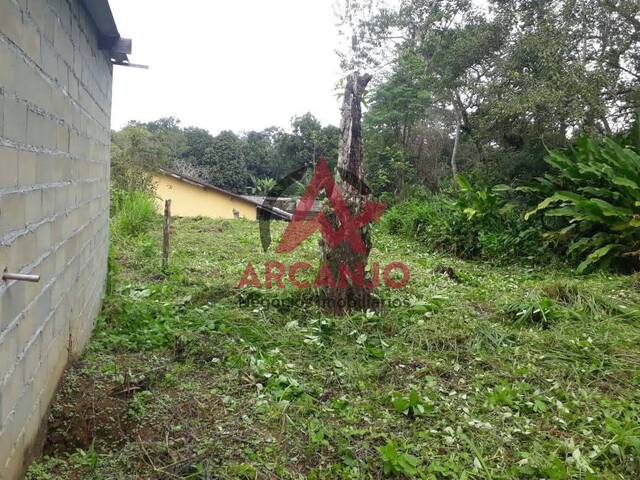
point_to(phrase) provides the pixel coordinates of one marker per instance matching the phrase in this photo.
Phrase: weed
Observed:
(396, 462)
(138, 404)
(135, 214)
(86, 459)
(411, 405)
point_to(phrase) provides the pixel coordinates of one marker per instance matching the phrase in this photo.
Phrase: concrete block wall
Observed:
(55, 101)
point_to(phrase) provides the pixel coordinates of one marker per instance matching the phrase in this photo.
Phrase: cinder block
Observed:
(8, 168)
(32, 357)
(41, 130)
(15, 124)
(62, 72)
(48, 206)
(26, 328)
(62, 43)
(33, 206)
(33, 87)
(12, 212)
(62, 135)
(31, 41)
(8, 353)
(8, 68)
(12, 304)
(11, 387)
(43, 17)
(10, 431)
(49, 59)
(23, 408)
(11, 21)
(27, 165)
(23, 254)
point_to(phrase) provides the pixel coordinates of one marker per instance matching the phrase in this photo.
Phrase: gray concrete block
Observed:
(8, 167)
(11, 21)
(41, 130)
(39, 11)
(15, 120)
(7, 67)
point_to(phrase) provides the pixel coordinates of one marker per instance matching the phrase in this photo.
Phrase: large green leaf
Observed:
(625, 182)
(601, 192)
(609, 210)
(463, 183)
(625, 226)
(557, 197)
(597, 256)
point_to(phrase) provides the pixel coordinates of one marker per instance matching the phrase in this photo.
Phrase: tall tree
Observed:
(135, 152)
(197, 140)
(507, 81)
(225, 164)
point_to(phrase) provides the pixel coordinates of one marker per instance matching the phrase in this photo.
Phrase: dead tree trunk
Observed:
(353, 288)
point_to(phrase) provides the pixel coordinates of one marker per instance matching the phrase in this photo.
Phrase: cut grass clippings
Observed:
(483, 371)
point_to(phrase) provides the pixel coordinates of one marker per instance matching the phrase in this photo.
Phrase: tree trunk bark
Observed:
(350, 154)
(350, 292)
(454, 154)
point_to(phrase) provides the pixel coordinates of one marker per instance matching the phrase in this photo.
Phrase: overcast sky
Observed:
(227, 64)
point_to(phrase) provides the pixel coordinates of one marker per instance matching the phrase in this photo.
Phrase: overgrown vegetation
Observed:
(485, 371)
(132, 213)
(596, 191)
(470, 222)
(591, 212)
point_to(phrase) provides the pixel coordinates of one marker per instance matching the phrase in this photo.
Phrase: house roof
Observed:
(277, 212)
(262, 199)
(109, 38)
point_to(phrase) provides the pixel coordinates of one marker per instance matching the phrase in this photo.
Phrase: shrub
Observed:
(595, 192)
(469, 222)
(134, 213)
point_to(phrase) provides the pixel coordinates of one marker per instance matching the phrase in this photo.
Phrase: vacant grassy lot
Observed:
(491, 372)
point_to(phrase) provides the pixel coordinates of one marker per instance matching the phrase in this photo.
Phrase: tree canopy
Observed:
(240, 162)
(491, 89)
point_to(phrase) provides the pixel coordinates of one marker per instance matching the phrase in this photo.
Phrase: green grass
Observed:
(135, 213)
(501, 372)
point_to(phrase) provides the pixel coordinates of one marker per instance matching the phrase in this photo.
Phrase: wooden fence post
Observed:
(165, 235)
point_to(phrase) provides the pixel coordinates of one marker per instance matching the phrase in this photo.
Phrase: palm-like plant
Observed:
(262, 186)
(595, 191)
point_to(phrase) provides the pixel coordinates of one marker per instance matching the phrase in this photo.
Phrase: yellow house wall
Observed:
(189, 200)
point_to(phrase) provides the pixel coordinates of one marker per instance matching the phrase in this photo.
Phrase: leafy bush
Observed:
(595, 192)
(469, 222)
(133, 213)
